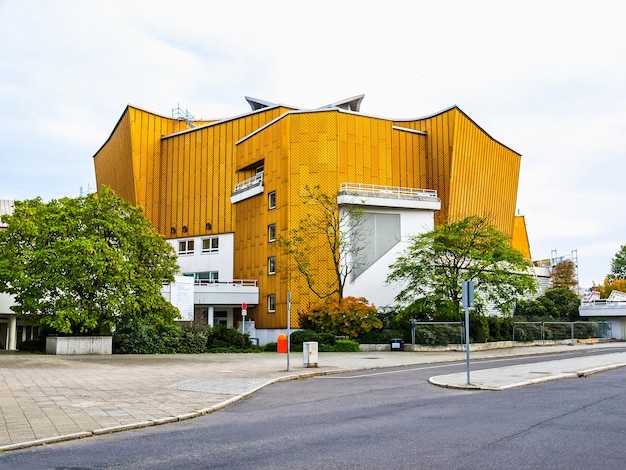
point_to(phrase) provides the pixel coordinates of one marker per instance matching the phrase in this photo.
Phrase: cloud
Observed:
(544, 78)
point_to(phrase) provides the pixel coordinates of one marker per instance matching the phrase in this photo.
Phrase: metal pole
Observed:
(288, 327)
(467, 343)
(468, 301)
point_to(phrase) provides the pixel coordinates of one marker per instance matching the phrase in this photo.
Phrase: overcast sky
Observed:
(546, 78)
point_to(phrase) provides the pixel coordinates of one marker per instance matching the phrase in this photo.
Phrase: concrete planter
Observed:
(79, 345)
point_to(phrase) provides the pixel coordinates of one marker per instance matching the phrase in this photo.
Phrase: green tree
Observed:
(558, 303)
(325, 231)
(618, 264)
(434, 266)
(85, 265)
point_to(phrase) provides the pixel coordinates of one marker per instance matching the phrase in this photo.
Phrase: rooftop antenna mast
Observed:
(180, 115)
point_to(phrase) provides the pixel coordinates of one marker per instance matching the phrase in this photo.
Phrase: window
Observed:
(271, 265)
(271, 200)
(271, 303)
(210, 245)
(271, 232)
(210, 276)
(185, 247)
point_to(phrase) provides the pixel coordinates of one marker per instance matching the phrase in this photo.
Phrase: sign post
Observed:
(288, 327)
(468, 301)
(244, 312)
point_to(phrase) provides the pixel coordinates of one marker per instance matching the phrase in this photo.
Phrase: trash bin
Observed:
(397, 344)
(282, 344)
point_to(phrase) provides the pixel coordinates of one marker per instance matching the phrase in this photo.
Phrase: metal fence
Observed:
(548, 330)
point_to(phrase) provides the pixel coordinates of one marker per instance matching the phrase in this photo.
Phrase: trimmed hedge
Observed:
(141, 338)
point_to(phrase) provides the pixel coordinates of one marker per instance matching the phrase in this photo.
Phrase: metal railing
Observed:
(391, 191)
(234, 282)
(256, 180)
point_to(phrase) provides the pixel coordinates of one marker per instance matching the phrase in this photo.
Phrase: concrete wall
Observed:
(79, 345)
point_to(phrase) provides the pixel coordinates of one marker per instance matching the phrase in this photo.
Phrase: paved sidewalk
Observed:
(45, 399)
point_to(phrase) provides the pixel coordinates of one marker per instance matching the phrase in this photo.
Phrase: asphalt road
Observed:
(384, 419)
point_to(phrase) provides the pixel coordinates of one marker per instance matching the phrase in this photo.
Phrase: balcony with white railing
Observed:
(210, 292)
(388, 196)
(248, 188)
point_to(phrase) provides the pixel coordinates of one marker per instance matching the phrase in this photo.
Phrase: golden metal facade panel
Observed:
(186, 179)
(113, 162)
(520, 237)
(472, 173)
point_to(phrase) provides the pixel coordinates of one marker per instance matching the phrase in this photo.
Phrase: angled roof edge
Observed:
(455, 107)
(305, 111)
(296, 111)
(128, 106)
(349, 104)
(113, 131)
(222, 121)
(256, 104)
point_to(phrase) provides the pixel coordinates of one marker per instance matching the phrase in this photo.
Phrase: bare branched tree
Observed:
(327, 232)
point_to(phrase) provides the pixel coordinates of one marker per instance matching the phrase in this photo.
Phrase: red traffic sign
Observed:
(244, 306)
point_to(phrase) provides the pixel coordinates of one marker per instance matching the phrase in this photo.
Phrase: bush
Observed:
(270, 347)
(381, 336)
(351, 317)
(224, 339)
(500, 329)
(139, 337)
(438, 335)
(345, 345)
(326, 342)
(301, 336)
(32, 345)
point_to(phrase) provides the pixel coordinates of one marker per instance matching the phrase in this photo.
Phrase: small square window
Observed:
(271, 200)
(271, 232)
(271, 303)
(185, 247)
(271, 265)
(210, 245)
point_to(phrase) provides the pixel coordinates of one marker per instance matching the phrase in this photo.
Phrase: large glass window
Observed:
(271, 265)
(185, 247)
(210, 276)
(271, 200)
(271, 303)
(210, 245)
(271, 232)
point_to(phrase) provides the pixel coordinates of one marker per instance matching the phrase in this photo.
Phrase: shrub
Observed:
(223, 339)
(500, 328)
(382, 336)
(325, 341)
(438, 335)
(351, 317)
(301, 336)
(346, 345)
(32, 345)
(138, 337)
